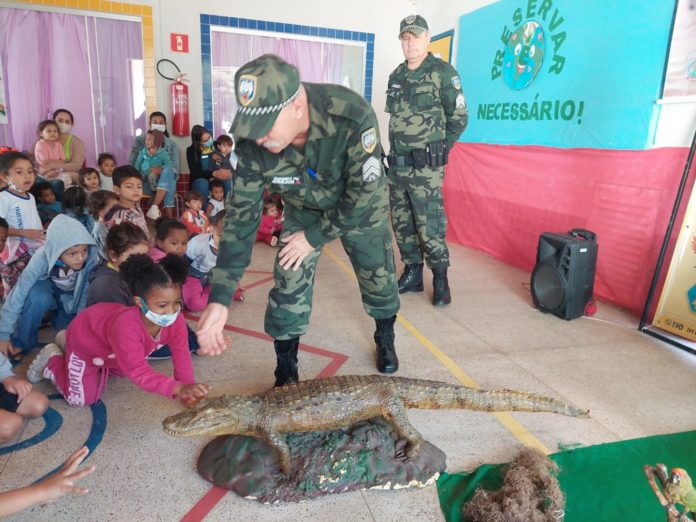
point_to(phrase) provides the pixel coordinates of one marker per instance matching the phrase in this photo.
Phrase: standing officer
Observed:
(428, 114)
(317, 145)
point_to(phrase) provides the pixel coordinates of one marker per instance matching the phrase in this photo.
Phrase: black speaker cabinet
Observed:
(563, 278)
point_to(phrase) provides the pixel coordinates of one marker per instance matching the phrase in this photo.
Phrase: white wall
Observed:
(183, 16)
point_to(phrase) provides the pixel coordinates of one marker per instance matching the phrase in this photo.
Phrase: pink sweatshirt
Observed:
(47, 150)
(156, 254)
(113, 336)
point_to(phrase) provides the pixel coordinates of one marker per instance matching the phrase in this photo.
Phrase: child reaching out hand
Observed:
(49, 489)
(113, 339)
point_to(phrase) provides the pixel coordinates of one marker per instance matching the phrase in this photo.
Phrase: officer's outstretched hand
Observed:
(295, 250)
(210, 327)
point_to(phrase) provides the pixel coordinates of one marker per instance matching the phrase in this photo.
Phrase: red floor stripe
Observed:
(205, 505)
(260, 282)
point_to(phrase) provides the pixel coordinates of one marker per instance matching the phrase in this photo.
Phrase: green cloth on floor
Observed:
(603, 482)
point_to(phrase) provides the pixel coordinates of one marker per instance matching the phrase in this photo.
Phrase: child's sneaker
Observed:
(154, 212)
(38, 365)
(238, 295)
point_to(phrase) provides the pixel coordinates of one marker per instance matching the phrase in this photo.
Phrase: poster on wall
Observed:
(676, 310)
(441, 46)
(3, 103)
(680, 77)
(545, 73)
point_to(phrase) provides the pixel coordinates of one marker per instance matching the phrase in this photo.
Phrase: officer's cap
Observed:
(263, 87)
(415, 24)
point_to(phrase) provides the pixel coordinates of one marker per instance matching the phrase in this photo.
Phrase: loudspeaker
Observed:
(563, 278)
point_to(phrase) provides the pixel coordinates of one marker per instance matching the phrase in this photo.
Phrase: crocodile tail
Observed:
(439, 396)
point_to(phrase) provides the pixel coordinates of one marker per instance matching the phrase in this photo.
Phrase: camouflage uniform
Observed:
(427, 106)
(333, 189)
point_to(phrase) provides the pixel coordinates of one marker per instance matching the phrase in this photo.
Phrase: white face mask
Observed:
(64, 128)
(158, 127)
(162, 320)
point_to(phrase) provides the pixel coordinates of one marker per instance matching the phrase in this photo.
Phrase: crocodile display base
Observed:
(326, 462)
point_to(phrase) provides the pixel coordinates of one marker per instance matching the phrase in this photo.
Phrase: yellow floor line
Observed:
(508, 421)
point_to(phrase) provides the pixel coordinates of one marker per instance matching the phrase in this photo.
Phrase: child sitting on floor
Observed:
(75, 205)
(216, 198)
(17, 399)
(193, 218)
(18, 207)
(98, 204)
(89, 179)
(105, 283)
(112, 339)
(46, 203)
(171, 237)
(271, 222)
(55, 280)
(106, 164)
(202, 251)
(128, 184)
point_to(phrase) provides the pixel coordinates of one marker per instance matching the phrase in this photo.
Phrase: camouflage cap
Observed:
(264, 87)
(415, 24)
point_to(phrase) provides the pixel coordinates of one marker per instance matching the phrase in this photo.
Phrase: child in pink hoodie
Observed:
(113, 339)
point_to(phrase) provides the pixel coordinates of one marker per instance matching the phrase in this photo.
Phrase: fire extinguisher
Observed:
(179, 100)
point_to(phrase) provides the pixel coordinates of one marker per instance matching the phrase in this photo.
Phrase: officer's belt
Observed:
(433, 155)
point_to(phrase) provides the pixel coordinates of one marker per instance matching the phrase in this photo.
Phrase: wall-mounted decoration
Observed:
(441, 45)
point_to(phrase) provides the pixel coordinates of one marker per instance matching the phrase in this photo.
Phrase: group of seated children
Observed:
(120, 305)
(76, 251)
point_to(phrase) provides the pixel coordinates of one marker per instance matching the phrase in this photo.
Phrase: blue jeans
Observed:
(43, 297)
(166, 181)
(203, 186)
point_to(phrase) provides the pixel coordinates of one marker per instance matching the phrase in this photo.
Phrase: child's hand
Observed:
(18, 386)
(222, 174)
(6, 348)
(156, 170)
(190, 394)
(34, 233)
(63, 480)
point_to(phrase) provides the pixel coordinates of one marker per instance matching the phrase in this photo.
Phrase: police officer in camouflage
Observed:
(428, 114)
(318, 146)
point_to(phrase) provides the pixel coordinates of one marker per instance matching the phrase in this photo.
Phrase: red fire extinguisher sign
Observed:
(179, 43)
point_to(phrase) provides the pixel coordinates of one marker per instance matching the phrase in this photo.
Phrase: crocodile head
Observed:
(224, 415)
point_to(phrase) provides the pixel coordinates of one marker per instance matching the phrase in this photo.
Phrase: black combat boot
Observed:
(387, 361)
(411, 279)
(441, 291)
(286, 356)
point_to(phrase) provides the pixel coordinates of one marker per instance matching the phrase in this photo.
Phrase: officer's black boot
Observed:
(286, 356)
(411, 279)
(387, 361)
(441, 291)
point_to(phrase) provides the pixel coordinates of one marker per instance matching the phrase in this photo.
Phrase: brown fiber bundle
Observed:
(529, 493)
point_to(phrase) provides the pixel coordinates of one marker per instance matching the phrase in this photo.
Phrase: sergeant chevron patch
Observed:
(371, 169)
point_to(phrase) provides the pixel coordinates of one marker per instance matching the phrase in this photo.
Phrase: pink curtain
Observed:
(83, 64)
(318, 62)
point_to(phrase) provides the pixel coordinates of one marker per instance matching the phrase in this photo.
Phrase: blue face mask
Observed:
(208, 143)
(158, 319)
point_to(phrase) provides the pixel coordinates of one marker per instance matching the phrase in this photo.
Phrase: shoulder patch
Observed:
(369, 140)
(456, 83)
(371, 170)
(460, 102)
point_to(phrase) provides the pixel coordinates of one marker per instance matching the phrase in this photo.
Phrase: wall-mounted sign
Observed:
(179, 43)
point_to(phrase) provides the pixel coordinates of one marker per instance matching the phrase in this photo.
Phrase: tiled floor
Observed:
(633, 385)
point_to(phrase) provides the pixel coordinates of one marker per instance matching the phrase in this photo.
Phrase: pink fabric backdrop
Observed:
(499, 199)
(318, 62)
(48, 60)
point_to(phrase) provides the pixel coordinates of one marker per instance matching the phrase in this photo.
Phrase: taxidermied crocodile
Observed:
(336, 402)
